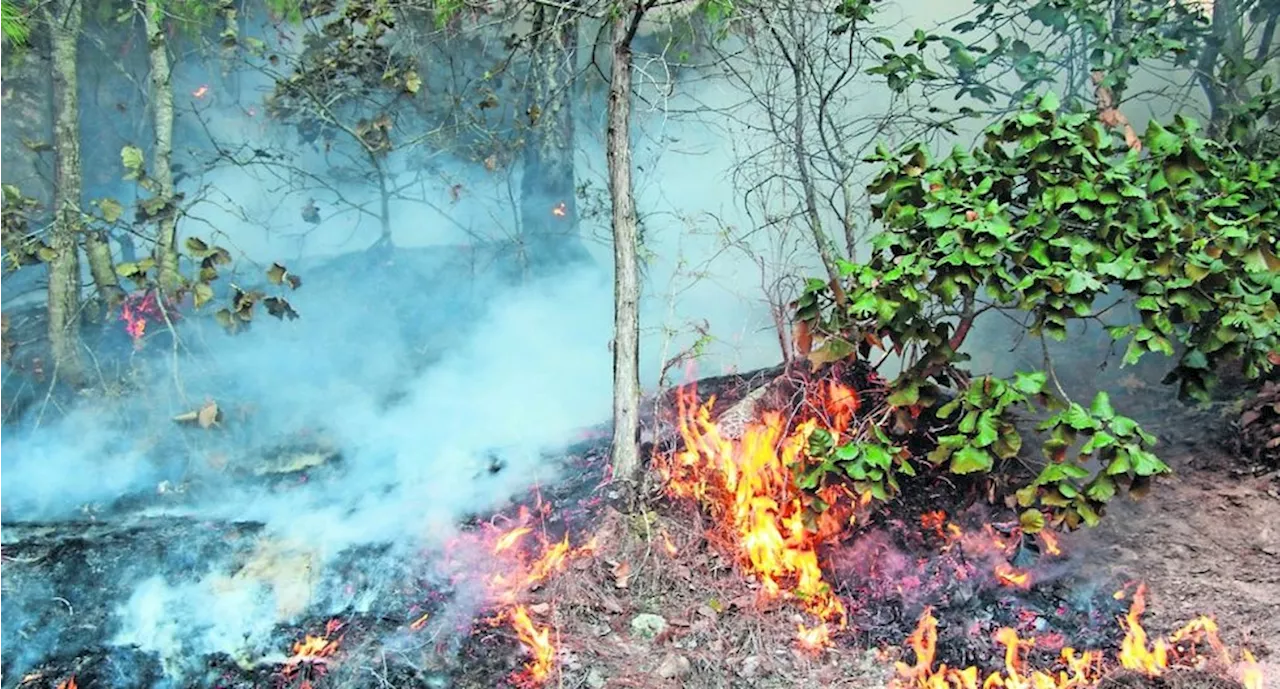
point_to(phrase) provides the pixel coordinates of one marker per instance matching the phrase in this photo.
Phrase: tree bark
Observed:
(626, 282)
(64, 19)
(166, 251)
(548, 189)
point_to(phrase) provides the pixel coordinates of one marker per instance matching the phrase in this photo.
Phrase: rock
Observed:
(673, 666)
(595, 679)
(647, 625)
(750, 667)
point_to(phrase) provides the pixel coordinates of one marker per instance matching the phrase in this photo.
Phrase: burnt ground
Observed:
(1206, 541)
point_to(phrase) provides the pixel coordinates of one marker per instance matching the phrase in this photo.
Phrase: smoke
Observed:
(416, 371)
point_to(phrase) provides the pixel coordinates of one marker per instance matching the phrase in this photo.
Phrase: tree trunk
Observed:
(63, 19)
(548, 207)
(626, 283)
(166, 252)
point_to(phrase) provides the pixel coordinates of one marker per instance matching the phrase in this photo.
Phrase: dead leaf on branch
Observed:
(207, 416)
(279, 275)
(279, 308)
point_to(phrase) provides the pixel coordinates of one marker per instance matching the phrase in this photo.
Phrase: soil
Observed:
(1207, 542)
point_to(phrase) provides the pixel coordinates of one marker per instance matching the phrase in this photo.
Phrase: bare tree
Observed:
(63, 19)
(626, 280)
(161, 175)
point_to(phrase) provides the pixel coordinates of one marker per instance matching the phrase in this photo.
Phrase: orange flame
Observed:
(526, 559)
(201, 92)
(68, 683)
(747, 486)
(1076, 670)
(1010, 576)
(560, 210)
(1050, 540)
(537, 641)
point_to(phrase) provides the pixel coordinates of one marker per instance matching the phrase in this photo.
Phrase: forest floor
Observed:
(1206, 541)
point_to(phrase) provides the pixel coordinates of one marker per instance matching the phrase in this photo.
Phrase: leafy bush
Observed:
(1052, 215)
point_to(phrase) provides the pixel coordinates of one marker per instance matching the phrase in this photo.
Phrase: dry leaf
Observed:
(208, 414)
(540, 608)
(621, 575)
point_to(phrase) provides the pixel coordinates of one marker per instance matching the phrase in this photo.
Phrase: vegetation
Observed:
(1063, 212)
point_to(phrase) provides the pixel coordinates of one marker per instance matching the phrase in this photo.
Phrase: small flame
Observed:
(1010, 576)
(201, 92)
(420, 622)
(560, 210)
(537, 641)
(1050, 540)
(1076, 670)
(1250, 673)
(815, 638)
(68, 683)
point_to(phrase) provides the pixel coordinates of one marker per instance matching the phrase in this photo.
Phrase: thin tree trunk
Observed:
(63, 19)
(166, 253)
(548, 206)
(626, 282)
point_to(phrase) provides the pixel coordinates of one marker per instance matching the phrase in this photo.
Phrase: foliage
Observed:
(346, 71)
(1053, 216)
(872, 465)
(13, 24)
(1039, 43)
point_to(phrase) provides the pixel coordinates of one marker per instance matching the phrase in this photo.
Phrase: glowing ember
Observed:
(69, 683)
(420, 622)
(747, 486)
(136, 310)
(560, 210)
(201, 92)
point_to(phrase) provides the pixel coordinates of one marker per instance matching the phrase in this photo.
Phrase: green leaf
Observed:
(111, 209)
(133, 160)
(987, 433)
(970, 459)
(1101, 406)
(1029, 383)
(936, 217)
(906, 395)
(1101, 489)
(1032, 521)
(1049, 102)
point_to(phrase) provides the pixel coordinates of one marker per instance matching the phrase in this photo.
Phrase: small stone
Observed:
(750, 667)
(595, 679)
(674, 666)
(647, 625)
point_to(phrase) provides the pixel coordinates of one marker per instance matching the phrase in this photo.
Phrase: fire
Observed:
(1010, 576)
(137, 309)
(560, 210)
(747, 486)
(313, 653)
(201, 92)
(69, 683)
(537, 641)
(1073, 669)
(1050, 540)
(523, 558)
